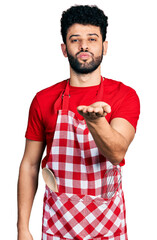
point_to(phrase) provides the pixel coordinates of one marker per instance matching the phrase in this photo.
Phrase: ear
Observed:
(64, 50)
(105, 45)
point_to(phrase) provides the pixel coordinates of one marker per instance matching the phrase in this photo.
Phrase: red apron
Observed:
(78, 210)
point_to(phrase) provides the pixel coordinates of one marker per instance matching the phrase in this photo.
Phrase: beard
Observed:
(84, 67)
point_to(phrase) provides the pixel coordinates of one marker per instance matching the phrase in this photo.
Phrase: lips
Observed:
(84, 55)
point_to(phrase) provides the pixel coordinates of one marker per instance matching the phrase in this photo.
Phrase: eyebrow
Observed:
(93, 34)
(74, 35)
(77, 35)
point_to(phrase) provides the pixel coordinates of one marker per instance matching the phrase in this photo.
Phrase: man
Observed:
(87, 123)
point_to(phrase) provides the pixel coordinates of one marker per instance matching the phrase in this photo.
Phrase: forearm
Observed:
(27, 186)
(111, 143)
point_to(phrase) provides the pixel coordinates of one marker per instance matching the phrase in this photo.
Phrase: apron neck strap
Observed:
(66, 94)
(65, 97)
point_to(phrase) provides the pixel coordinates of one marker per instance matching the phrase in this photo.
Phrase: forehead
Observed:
(82, 30)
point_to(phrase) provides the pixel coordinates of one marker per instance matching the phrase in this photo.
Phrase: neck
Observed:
(85, 80)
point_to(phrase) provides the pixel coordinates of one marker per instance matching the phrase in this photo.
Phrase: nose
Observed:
(83, 45)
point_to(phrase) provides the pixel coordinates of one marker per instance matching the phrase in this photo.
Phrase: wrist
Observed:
(96, 122)
(22, 226)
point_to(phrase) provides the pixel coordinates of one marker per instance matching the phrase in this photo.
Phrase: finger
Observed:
(99, 111)
(107, 109)
(95, 112)
(90, 109)
(80, 108)
(89, 112)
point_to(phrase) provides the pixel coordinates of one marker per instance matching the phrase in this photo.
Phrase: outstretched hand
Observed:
(94, 111)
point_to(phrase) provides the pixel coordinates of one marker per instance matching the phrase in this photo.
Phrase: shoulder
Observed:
(117, 85)
(118, 89)
(124, 101)
(52, 90)
(50, 93)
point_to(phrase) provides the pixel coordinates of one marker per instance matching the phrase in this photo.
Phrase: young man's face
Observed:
(84, 48)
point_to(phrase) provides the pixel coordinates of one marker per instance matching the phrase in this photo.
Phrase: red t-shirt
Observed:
(123, 100)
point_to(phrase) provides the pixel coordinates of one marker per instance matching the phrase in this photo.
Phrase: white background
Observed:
(31, 59)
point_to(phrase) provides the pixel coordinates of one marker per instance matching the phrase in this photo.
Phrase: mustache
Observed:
(82, 51)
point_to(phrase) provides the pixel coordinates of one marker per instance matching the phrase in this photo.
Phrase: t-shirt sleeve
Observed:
(35, 127)
(128, 108)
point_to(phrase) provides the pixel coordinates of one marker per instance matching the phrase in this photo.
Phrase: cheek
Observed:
(72, 50)
(98, 51)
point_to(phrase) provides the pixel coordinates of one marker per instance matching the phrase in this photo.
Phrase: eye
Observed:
(92, 40)
(74, 40)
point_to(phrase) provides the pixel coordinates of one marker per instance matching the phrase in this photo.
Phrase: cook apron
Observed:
(79, 209)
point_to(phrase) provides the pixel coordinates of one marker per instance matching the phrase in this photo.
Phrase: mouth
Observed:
(84, 55)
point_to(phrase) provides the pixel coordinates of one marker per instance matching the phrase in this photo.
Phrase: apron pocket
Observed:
(83, 217)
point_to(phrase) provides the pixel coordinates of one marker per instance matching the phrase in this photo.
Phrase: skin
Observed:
(112, 139)
(27, 185)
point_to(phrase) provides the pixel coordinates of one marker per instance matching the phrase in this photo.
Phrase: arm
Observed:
(112, 139)
(27, 185)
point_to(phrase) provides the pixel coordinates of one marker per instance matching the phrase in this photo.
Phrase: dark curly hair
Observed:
(84, 14)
